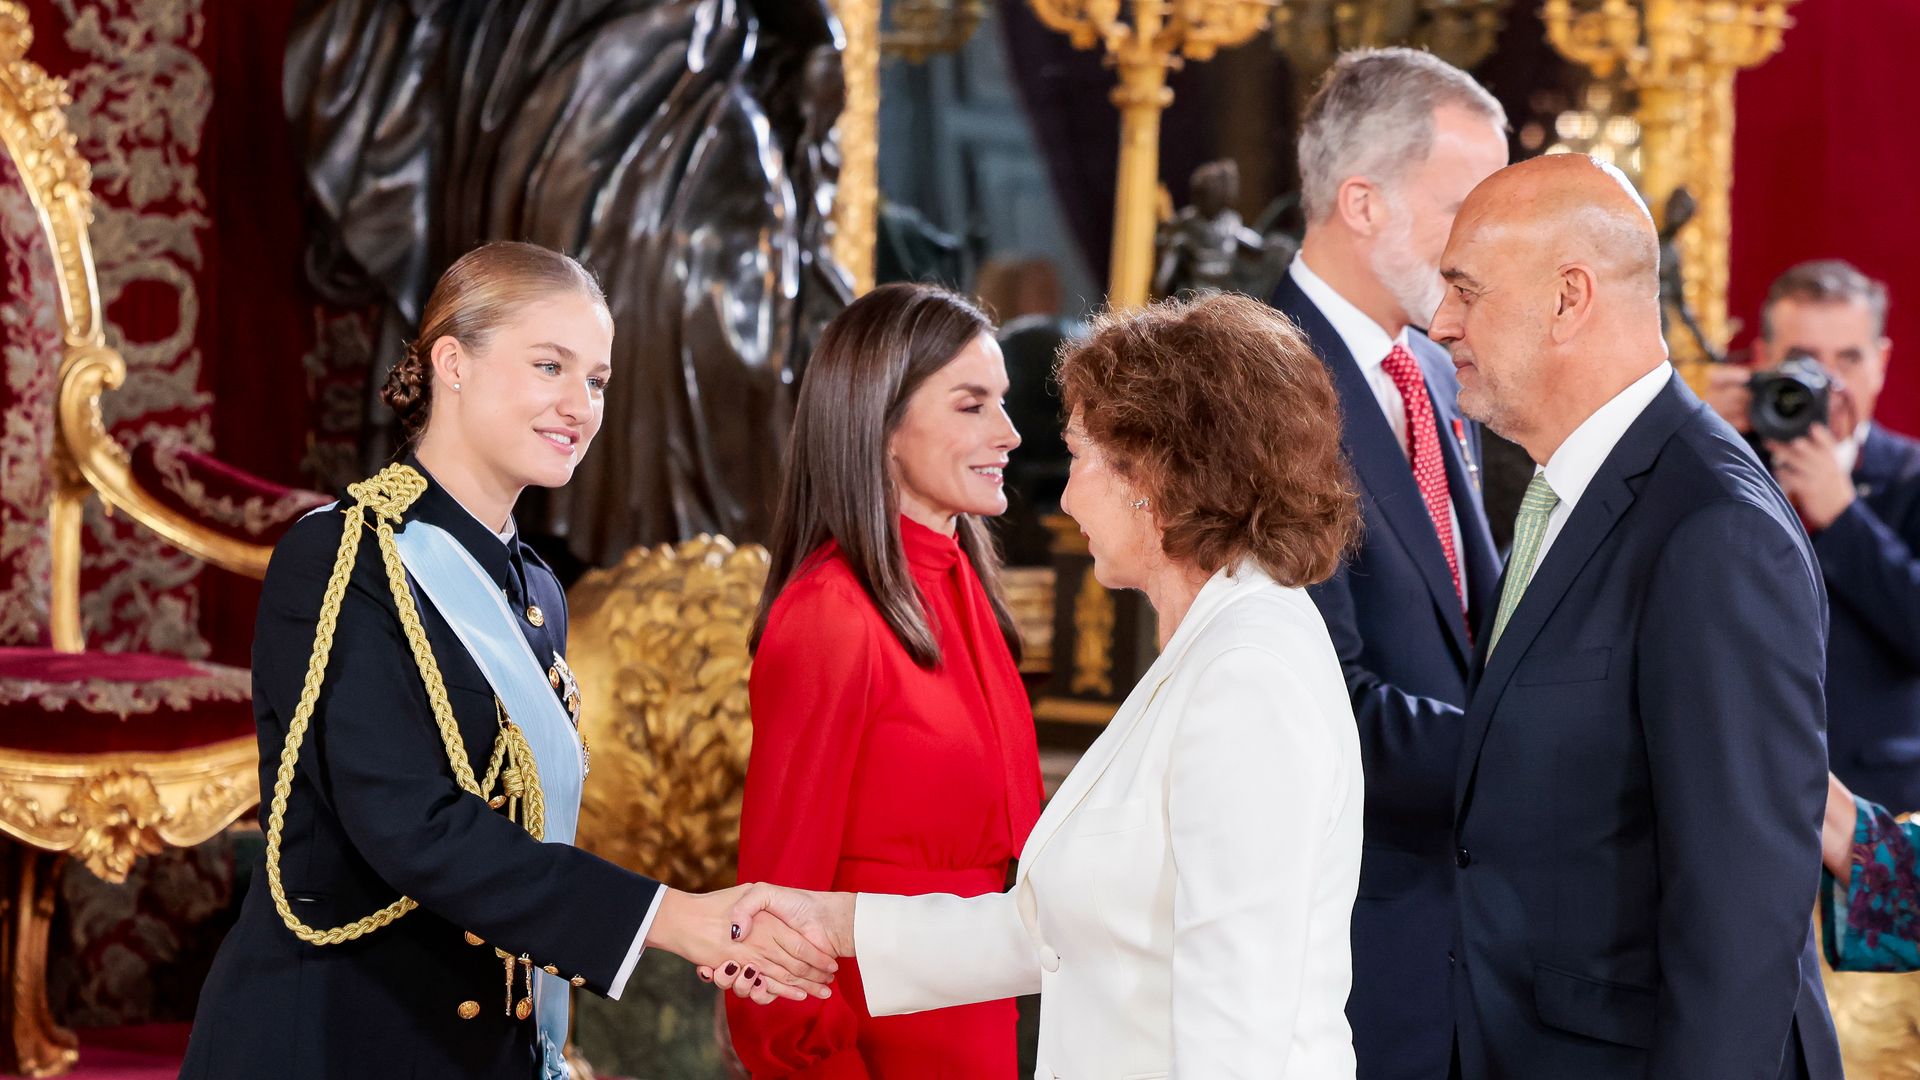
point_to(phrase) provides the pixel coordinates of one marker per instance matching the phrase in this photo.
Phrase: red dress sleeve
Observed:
(809, 691)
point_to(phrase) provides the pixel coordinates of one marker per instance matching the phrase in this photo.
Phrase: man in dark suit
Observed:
(1642, 778)
(1392, 141)
(1856, 485)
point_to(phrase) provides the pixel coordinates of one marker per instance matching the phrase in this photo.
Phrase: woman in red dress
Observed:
(893, 748)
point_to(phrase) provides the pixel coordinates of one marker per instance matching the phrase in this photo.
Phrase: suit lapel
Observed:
(1588, 526)
(1217, 595)
(1879, 462)
(1377, 459)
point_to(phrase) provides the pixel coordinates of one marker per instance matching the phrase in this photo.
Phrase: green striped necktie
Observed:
(1529, 531)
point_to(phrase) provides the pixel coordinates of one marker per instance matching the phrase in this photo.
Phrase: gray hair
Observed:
(1826, 281)
(1372, 116)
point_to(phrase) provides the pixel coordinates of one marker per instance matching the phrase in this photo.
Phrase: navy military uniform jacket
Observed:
(1870, 557)
(375, 814)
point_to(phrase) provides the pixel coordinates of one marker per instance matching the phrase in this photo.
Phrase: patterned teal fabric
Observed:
(1529, 530)
(1871, 922)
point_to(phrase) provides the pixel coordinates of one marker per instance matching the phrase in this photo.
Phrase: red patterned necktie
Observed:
(1423, 444)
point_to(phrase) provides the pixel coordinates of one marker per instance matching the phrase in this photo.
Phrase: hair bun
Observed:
(407, 390)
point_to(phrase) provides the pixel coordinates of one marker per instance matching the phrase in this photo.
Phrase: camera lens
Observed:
(1790, 400)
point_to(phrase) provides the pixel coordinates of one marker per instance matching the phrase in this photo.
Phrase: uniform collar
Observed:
(438, 507)
(926, 549)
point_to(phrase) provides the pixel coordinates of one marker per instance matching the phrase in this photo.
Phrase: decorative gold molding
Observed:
(109, 809)
(87, 459)
(1069, 711)
(660, 648)
(857, 202)
(1682, 56)
(1029, 593)
(1093, 623)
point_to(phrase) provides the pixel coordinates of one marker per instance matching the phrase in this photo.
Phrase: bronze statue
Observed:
(1207, 246)
(684, 150)
(1673, 297)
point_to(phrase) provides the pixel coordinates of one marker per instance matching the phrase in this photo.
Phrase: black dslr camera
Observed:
(1790, 399)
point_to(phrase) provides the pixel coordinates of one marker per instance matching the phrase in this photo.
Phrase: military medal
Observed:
(560, 677)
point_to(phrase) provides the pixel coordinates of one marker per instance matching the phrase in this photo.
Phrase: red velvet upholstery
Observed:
(217, 495)
(96, 702)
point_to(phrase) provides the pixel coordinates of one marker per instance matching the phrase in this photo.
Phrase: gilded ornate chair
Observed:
(104, 757)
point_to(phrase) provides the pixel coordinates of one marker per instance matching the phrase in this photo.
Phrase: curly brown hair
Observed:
(1220, 413)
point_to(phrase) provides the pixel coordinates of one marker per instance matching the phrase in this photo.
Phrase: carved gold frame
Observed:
(856, 206)
(107, 810)
(87, 460)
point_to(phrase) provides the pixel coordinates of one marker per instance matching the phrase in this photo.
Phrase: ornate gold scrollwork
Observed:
(1093, 622)
(660, 647)
(1029, 593)
(1681, 55)
(109, 809)
(922, 28)
(857, 201)
(87, 459)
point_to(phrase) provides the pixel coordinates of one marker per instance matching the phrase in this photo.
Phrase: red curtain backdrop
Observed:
(1826, 156)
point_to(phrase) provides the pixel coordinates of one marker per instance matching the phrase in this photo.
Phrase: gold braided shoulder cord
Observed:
(388, 495)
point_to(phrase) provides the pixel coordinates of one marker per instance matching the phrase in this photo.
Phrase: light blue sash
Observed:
(474, 607)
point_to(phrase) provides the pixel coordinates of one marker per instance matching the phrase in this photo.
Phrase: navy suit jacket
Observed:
(1871, 558)
(1405, 646)
(1642, 783)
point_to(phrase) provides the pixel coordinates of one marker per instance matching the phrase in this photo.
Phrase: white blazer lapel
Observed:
(1214, 597)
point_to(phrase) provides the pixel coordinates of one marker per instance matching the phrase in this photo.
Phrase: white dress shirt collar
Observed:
(1848, 449)
(1573, 465)
(1367, 340)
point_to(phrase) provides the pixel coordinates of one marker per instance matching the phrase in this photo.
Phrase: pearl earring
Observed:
(456, 386)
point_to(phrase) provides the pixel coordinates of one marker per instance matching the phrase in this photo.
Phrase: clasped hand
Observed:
(771, 913)
(738, 940)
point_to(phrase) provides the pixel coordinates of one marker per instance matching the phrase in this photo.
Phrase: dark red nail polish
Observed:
(749, 971)
(736, 931)
(704, 977)
(756, 984)
(731, 968)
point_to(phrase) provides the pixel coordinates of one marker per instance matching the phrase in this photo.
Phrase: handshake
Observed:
(760, 941)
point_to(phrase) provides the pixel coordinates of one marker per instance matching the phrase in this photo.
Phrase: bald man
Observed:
(1643, 766)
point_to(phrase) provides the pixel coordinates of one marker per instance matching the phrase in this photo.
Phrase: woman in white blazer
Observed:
(1182, 906)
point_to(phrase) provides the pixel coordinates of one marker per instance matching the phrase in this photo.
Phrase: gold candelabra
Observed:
(1681, 55)
(1144, 40)
(923, 28)
(1313, 32)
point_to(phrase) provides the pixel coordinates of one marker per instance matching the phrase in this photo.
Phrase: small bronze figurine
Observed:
(1207, 247)
(1673, 298)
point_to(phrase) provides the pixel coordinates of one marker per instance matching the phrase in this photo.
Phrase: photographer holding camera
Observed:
(1821, 360)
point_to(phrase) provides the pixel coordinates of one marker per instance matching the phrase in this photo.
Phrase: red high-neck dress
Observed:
(872, 774)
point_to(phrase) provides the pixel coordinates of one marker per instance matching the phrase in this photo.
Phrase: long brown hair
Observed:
(837, 486)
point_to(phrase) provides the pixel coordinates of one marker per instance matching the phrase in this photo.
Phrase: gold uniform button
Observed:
(474, 939)
(577, 980)
(534, 616)
(551, 970)
(469, 1010)
(553, 677)
(523, 1009)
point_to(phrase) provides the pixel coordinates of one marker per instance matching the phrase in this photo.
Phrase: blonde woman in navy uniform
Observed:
(422, 910)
